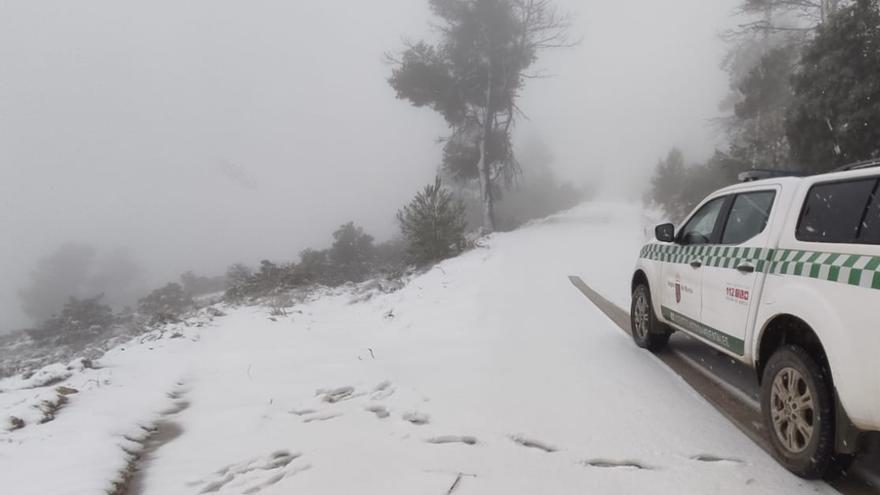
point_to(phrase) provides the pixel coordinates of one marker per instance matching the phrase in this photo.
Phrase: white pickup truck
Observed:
(782, 274)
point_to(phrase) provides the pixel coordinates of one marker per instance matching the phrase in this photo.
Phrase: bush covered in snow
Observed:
(433, 224)
(198, 285)
(243, 283)
(391, 257)
(352, 258)
(79, 321)
(314, 267)
(352, 254)
(165, 305)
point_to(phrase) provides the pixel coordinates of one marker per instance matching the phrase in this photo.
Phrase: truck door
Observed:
(683, 272)
(732, 270)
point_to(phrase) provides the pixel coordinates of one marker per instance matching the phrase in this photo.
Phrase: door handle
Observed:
(746, 268)
(696, 264)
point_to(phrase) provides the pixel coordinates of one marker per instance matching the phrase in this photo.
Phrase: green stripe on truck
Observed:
(729, 342)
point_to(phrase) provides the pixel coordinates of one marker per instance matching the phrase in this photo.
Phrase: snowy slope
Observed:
(489, 374)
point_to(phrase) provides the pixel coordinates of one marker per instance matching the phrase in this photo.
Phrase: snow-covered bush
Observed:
(198, 285)
(166, 304)
(79, 322)
(391, 257)
(244, 284)
(314, 267)
(433, 224)
(352, 254)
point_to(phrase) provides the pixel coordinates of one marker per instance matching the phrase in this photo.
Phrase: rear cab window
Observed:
(841, 212)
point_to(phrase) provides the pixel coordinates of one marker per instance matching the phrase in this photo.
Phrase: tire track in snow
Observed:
(717, 393)
(164, 431)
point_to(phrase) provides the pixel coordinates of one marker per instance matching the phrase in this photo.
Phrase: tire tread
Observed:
(817, 463)
(658, 333)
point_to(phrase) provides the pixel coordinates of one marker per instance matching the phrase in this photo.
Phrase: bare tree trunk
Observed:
(485, 159)
(486, 185)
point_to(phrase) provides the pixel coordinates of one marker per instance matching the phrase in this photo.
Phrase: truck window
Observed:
(870, 229)
(748, 216)
(701, 226)
(835, 212)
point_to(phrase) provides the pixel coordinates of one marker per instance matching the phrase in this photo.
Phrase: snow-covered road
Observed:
(487, 375)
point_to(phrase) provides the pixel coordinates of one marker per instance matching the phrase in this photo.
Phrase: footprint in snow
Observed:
(251, 476)
(382, 391)
(321, 417)
(709, 458)
(380, 411)
(609, 464)
(533, 444)
(178, 401)
(336, 395)
(303, 412)
(467, 440)
(417, 418)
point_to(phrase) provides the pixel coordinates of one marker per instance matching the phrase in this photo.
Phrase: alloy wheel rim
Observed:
(792, 410)
(641, 315)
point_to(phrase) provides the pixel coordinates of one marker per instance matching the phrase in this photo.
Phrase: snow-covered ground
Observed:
(490, 374)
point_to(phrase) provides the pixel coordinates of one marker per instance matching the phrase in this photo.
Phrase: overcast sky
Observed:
(202, 133)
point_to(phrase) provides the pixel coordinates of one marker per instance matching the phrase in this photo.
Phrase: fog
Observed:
(198, 134)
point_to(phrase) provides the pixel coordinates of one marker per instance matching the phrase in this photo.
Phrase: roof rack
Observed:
(860, 165)
(761, 174)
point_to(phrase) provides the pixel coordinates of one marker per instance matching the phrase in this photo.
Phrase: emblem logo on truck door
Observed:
(679, 289)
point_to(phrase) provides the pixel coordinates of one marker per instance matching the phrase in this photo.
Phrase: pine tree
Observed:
(835, 116)
(669, 177)
(433, 225)
(757, 130)
(352, 253)
(474, 78)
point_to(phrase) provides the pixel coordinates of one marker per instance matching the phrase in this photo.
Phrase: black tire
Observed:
(647, 331)
(797, 405)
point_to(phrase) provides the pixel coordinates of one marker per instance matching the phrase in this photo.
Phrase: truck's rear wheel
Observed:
(797, 405)
(648, 332)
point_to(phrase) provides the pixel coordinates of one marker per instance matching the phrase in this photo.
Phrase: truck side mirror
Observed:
(665, 232)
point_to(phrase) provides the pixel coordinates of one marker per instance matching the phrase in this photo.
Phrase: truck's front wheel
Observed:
(797, 406)
(647, 331)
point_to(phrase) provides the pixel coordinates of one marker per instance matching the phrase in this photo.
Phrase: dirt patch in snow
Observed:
(50, 408)
(131, 479)
(15, 423)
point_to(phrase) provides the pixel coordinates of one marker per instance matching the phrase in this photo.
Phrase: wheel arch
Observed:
(784, 329)
(642, 275)
(639, 277)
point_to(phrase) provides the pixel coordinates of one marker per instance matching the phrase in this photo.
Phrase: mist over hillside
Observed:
(196, 136)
